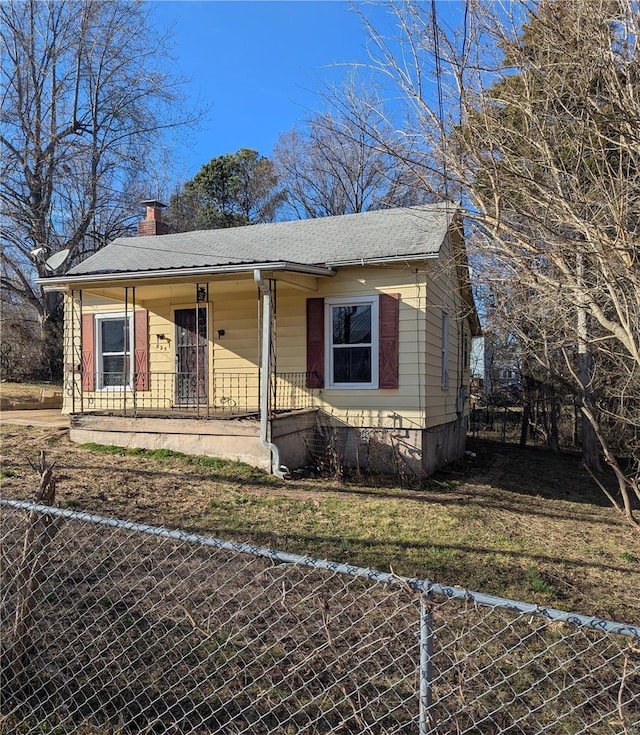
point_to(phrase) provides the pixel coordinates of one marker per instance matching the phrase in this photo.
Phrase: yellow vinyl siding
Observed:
(401, 407)
(161, 351)
(235, 354)
(425, 288)
(444, 295)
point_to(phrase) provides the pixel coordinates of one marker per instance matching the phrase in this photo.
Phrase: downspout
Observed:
(265, 374)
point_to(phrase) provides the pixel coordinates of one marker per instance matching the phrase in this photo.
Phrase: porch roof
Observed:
(302, 246)
(182, 275)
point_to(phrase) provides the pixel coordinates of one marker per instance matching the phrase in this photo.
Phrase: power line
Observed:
(135, 245)
(465, 40)
(438, 63)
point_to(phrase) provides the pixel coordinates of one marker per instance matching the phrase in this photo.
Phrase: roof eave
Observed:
(382, 260)
(62, 282)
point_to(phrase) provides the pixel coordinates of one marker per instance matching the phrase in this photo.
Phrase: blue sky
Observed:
(256, 64)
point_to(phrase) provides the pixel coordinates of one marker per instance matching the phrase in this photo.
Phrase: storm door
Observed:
(191, 356)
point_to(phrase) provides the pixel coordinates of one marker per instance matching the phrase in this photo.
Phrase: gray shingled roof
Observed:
(387, 233)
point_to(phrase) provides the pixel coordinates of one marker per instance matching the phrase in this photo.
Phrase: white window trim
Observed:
(99, 319)
(329, 303)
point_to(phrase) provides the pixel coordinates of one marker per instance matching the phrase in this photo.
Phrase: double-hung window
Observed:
(113, 345)
(352, 342)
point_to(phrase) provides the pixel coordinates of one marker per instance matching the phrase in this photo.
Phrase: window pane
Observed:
(352, 365)
(113, 335)
(114, 370)
(351, 324)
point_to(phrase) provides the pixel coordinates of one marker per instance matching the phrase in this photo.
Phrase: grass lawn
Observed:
(518, 523)
(11, 393)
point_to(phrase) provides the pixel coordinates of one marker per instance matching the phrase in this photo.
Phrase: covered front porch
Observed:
(148, 360)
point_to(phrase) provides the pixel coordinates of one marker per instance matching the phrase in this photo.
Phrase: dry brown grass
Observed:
(137, 633)
(520, 524)
(16, 393)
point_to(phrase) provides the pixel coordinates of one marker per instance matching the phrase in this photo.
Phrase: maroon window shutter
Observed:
(88, 353)
(315, 343)
(141, 348)
(388, 309)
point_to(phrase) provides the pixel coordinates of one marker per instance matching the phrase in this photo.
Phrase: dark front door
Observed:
(191, 356)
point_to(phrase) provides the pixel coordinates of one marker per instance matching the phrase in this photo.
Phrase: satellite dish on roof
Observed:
(56, 260)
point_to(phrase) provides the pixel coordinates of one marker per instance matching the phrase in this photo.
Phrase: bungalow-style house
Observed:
(344, 339)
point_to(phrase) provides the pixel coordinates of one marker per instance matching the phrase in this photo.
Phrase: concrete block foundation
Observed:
(332, 444)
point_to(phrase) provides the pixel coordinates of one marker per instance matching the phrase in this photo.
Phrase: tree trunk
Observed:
(554, 439)
(590, 443)
(625, 483)
(524, 429)
(52, 330)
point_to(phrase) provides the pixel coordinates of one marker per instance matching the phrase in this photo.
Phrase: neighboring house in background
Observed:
(477, 360)
(277, 344)
(501, 367)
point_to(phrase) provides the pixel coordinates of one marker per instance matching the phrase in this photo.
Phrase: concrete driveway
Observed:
(43, 417)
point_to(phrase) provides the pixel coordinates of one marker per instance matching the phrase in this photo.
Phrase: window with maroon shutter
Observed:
(113, 342)
(352, 342)
(388, 310)
(315, 343)
(88, 353)
(141, 349)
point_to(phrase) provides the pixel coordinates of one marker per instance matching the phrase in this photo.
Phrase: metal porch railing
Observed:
(222, 392)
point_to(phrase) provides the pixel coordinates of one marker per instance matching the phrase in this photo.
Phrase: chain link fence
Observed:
(115, 627)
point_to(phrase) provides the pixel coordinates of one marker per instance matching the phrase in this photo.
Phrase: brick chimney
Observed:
(153, 224)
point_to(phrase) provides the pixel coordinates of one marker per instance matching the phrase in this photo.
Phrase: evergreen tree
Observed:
(231, 190)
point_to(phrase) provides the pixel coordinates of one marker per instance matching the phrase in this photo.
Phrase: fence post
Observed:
(40, 532)
(426, 669)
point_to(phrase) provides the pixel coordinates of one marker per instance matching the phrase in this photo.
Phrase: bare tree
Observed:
(531, 111)
(85, 98)
(333, 165)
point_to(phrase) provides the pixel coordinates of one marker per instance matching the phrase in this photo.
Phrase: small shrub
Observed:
(628, 556)
(538, 584)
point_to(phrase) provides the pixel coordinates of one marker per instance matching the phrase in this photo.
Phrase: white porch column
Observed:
(267, 366)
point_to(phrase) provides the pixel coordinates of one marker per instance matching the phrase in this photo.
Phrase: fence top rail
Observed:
(424, 587)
